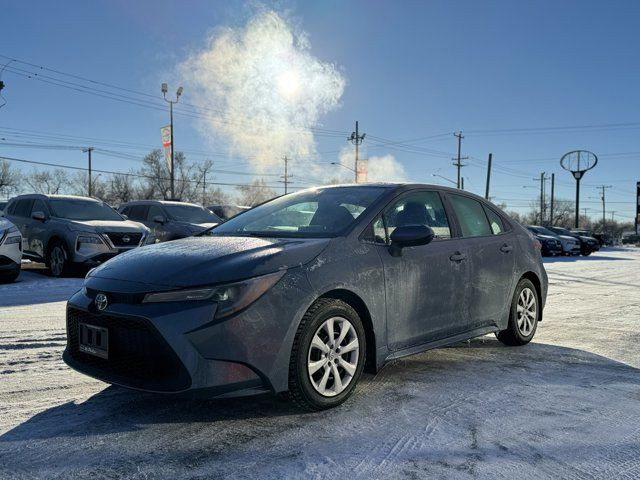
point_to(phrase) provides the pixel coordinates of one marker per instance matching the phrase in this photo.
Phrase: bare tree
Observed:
(48, 181)
(121, 189)
(255, 193)
(9, 179)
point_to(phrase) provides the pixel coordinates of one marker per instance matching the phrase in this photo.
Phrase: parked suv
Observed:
(65, 230)
(170, 220)
(551, 244)
(588, 245)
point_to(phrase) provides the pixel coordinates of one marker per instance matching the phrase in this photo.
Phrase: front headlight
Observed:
(90, 239)
(12, 240)
(230, 298)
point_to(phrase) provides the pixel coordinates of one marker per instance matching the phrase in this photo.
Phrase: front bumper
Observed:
(551, 249)
(93, 254)
(181, 348)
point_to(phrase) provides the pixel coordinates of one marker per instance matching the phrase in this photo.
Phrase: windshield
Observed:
(83, 210)
(324, 212)
(191, 214)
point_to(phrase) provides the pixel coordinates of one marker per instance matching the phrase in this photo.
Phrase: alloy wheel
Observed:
(56, 261)
(526, 311)
(332, 360)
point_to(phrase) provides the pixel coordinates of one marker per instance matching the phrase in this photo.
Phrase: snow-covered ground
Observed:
(565, 406)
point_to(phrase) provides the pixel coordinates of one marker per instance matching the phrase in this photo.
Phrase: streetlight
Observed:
(445, 178)
(164, 90)
(344, 166)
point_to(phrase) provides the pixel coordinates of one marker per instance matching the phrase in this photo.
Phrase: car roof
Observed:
(46, 196)
(159, 202)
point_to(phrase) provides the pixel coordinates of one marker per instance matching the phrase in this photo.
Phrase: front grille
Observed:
(138, 356)
(117, 297)
(118, 239)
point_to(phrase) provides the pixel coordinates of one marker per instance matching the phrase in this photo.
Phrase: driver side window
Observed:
(417, 208)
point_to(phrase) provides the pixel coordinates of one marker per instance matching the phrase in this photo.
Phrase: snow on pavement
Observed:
(565, 406)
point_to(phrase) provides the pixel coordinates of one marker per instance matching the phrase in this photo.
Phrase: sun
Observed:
(289, 84)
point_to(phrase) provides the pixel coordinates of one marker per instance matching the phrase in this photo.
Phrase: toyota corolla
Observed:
(304, 292)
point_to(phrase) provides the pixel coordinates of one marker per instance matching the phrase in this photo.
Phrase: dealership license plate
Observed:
(93, 340)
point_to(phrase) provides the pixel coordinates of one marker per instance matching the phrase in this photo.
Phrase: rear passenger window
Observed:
(23, 208)
(138, 212)
(495, 222)
(471, 216)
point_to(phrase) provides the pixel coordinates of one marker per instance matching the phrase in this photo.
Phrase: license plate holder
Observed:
(93, 340)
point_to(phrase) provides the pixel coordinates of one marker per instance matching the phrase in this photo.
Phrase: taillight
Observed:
(537, 244)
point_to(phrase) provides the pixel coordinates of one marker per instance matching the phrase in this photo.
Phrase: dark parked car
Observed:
(170, 220)
(225, 212)
(550, 243)
(588, 245)
(66, 230)
(10, 251)
(278, 300)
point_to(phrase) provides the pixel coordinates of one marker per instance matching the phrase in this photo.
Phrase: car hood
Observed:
(568, 237)
(584, 238)
(102, 226)
(198, 227)
(195, 261)
(545, 237)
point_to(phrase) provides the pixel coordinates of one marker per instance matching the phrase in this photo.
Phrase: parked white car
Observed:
(10, 251)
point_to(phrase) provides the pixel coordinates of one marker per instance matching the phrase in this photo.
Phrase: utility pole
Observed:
(603, 188)
(542, 198)
(553, 186)
(286, 174)
(88, 151)
(356, 139)
(459, 159)
(486, 192)
(462, 183)
(164, 90)
(204, 187)
(613, 212)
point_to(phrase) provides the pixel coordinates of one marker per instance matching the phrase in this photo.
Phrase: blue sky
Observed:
(412, 70)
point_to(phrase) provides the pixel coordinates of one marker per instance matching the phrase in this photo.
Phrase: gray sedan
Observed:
(304, 292)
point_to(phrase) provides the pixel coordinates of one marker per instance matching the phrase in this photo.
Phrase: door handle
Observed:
(457, 257)
(506, 248)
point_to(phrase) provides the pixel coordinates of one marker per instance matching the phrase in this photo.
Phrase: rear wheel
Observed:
(524, 315)
(57, 259)
(328, 355)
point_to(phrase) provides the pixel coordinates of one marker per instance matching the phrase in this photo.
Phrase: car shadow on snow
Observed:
(35, 286)
(483, 366)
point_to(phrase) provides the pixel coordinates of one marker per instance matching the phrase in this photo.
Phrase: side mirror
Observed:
(159, 219)
(40, 216)
(126, 217)
(409, 236)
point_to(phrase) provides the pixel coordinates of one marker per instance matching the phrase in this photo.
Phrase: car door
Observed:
(37, 229)
(425, 286)
(491, 246)
(20, 214)
(162, 231)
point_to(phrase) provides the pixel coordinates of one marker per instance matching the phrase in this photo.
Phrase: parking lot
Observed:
(565, 406)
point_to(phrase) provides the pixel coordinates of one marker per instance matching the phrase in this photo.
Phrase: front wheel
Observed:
(57, 260)
(328, 355)
(524, 315)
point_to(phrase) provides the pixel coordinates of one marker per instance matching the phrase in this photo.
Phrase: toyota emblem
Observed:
(101, 301)
(126, 239)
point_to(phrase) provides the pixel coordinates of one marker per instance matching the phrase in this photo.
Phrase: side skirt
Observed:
(477, 332)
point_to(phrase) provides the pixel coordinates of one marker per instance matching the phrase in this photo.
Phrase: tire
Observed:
(57, 259)
(586, 253)
(10, 276)
(522, 325)
(318, 390)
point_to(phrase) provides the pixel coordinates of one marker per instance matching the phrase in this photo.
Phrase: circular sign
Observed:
(578, 162)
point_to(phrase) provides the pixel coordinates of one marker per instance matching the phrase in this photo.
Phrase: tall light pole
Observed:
(88, 151)
(356, 139)
(171, 102)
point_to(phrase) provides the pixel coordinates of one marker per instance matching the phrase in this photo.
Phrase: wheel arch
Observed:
(53, 238)
(354, 300)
